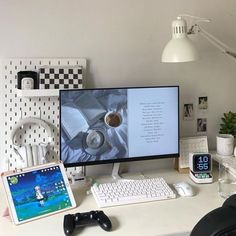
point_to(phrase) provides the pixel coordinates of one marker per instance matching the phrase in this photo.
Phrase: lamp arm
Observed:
(196, 18)
(213, 40)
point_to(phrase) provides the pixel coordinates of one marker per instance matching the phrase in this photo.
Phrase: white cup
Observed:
(225, 144)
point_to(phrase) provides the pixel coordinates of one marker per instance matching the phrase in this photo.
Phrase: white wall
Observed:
(123, 41)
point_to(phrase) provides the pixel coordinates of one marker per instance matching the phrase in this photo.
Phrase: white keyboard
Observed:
(125, 192)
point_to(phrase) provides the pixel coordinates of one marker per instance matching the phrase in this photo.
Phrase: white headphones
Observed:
(30, 155)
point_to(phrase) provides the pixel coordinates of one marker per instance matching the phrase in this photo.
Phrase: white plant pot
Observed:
(225, 144)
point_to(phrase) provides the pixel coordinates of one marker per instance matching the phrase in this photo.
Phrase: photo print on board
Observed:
(203, 103)
(188, 111)
(201, 125)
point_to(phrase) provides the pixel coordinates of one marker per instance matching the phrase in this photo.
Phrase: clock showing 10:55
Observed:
(200, 166)
(201, 162)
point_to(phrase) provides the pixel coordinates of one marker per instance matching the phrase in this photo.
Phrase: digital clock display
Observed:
(201, 163)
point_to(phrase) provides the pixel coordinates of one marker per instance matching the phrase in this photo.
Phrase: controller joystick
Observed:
(82, 219)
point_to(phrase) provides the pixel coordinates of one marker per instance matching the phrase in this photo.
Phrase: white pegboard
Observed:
(14, 107)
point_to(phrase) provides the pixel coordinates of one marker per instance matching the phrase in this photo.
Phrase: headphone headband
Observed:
(31, 120)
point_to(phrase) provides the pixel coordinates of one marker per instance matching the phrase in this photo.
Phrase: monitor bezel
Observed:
(119, 160)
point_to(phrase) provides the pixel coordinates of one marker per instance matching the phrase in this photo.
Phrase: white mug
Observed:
(225, 144)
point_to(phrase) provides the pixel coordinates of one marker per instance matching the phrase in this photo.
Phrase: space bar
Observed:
(130, 200)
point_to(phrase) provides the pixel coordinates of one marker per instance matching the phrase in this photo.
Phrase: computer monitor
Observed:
(111, 125)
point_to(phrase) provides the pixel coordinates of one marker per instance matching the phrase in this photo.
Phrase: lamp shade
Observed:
(180, 48)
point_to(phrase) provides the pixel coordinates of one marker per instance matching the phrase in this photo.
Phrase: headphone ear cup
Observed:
(29, 155)
(42, 154)
(35, 154)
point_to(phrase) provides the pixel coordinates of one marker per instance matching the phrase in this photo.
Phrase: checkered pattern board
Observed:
(60, 77)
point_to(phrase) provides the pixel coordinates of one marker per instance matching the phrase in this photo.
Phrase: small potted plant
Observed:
(225, 140)
(228, 125)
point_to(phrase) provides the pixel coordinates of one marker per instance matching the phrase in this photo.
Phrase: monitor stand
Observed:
(115, 171)
(116, 176)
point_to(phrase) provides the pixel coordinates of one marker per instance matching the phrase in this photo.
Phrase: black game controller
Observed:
(86, 218)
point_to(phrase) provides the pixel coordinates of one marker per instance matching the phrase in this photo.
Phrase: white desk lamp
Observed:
(181, 49)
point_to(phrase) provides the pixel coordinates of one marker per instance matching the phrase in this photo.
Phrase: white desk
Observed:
(161, 218)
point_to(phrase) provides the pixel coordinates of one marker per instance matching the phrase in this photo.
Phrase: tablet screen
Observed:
(38, 192)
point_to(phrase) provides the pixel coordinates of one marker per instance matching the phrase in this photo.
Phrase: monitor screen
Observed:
(118, 124)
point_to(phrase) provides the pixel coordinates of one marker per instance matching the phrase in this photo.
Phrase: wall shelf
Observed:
(38, 92)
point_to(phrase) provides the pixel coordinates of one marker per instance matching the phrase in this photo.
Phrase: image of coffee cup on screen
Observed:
(113, 119)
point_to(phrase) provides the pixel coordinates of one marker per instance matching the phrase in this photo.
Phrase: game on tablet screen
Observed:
(38, 192)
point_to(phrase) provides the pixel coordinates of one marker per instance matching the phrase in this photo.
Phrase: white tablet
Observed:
(38, 191)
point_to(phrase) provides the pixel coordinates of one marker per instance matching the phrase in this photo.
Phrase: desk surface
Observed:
(174, 217)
